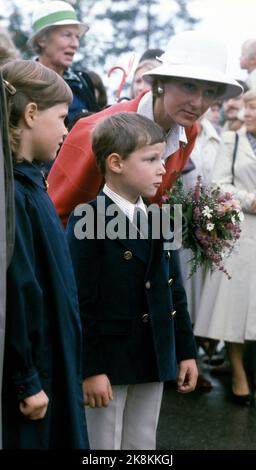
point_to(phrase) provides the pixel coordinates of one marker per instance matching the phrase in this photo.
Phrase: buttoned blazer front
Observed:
(131, 330)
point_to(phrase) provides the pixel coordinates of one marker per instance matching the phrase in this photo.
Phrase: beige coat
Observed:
(228, 307)
(251, 80)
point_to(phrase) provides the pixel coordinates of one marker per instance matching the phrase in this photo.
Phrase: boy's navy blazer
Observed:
(133, 305)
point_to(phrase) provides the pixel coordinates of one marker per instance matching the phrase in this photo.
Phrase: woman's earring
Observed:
(160, 90)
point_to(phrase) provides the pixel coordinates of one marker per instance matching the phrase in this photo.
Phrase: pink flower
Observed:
(197, 190)
(196, 213)
(231, 204)
(165, 198)
(211, 223)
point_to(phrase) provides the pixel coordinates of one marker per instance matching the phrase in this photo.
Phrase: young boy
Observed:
(136, 328)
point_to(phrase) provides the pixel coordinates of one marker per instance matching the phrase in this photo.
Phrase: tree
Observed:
(16, 29)
(184, 16)
(118, 27)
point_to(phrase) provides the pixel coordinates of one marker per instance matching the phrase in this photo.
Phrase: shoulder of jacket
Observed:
(22, 182)
(82, 74)
(228, 136)
(22, 193)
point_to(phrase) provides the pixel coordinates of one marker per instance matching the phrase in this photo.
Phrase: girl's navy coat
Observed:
(43, 334)
(132, 332)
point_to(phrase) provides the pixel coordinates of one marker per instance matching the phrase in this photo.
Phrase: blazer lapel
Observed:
(116, 226)
(156, 246)
(113, 219)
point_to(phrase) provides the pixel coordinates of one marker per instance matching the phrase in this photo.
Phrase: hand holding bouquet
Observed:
(211, 223)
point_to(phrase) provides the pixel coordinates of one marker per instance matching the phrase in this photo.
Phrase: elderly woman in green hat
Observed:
(56, 32)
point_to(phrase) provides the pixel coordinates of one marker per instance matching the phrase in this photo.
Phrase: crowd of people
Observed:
(96, 322)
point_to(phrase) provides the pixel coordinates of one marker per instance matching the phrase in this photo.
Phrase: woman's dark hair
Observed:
(151, 54)
(100, 90)
(157, 80)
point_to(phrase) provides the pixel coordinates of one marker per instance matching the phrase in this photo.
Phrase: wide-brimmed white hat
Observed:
(192, 54)
(55, 13)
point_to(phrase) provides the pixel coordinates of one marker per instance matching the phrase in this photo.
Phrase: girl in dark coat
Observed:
(42, 392)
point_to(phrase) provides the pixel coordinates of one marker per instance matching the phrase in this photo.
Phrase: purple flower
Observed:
(211, 223)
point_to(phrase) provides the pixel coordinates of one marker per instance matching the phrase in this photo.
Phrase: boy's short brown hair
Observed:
(123, 133)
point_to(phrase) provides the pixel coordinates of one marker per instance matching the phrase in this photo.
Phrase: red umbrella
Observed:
(124, 77)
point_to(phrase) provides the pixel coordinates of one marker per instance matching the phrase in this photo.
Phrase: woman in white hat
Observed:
(227, 308)
(191, 76)
(55, 38)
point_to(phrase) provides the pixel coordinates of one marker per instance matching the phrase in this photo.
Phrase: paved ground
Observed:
(205, 421)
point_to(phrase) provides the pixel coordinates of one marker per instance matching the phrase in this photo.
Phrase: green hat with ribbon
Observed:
(55, 13)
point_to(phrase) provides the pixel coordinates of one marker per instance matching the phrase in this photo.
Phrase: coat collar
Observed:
(30, 171)
(247, 148)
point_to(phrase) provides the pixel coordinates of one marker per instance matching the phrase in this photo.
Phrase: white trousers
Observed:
(129, 421)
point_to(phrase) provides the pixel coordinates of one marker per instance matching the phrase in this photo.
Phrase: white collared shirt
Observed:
(175, 135)
(126, 206)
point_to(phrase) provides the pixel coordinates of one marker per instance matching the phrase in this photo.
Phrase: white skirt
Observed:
(228, 307)
(193, 285)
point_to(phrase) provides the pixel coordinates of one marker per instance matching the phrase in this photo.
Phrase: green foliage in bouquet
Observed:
(211, 223)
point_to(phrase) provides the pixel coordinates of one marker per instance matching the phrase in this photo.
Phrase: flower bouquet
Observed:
(211, 222)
